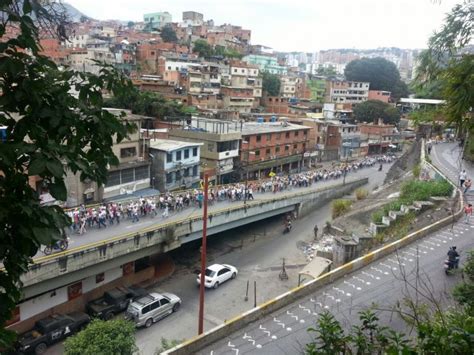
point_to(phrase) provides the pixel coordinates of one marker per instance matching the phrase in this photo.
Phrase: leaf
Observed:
(58, 190)
(37, 166)
(55, 168)
(43, 235)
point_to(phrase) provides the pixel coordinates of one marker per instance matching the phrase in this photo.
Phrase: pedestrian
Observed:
(429, 146)
(316, 231)
(462, 177)
(83, 229)
(467, 185)
(467, 213)
(165, 213)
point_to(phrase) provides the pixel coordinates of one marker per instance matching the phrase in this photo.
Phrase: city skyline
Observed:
(363, 25)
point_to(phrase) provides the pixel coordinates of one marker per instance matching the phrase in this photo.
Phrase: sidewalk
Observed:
(446, 156)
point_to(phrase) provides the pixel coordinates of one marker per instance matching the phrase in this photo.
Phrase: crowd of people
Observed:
(112, 213)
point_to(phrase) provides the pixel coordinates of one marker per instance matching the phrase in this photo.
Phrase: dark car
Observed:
(114, 301)
(50, 330)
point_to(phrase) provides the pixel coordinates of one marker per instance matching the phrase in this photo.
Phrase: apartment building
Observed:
(347, 91)
(156, 20)
(288, 86)
(220, 144)
(175, 164)
(380, 95)
(380, 137)
(266, 63)
(271, 146)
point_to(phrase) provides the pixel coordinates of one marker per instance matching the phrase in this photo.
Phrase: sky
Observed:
(299, 25)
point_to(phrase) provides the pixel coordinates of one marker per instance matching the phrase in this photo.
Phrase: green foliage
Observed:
(416, 171)
(167, 344)
(379, 72)
(150, 104)
(361, 193)
(102, 338)
(330, 337)
(340, 207)
(371, 110)
(464, 292)
(329, 71)
(49, 131)
(445, 61)
(271, 84)
(415, 190)
(377, 217)
(168, 34)
(428, 115)
(392, 206)
(202, 48)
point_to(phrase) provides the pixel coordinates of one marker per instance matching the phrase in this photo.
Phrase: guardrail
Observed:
(197, 343)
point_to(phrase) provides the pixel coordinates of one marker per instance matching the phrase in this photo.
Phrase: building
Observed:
(175, 164)
(156, 20)
(380, 95)
(192, 18)
(220, 144)
(346, 91)
(243, 90)
(266, 63)
(288, 86)
(380, 137)
(271, 146)
(130, 176)
(317, 87)
(352, 145)
(276, 104)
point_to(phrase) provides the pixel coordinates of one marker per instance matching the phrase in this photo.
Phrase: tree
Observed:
(103, 337)
(203, 48)
(379, 72)
(49, 131)
(271, 84)
(372, 110)
(447, 62)
(168, 34)
(130, 24)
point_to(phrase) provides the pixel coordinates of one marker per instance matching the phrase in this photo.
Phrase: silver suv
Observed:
(151, 308)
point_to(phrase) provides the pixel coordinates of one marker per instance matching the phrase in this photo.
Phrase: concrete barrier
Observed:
(197, 343)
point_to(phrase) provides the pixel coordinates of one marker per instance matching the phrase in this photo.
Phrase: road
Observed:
(382, 283)
(256, 250)
(126, 226)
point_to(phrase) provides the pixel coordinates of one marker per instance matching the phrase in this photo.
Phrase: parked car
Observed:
(151, 308)
(50, 330)
(217, 274)
(114, 301)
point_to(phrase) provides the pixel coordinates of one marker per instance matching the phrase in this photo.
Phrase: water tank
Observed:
(260, 120)
(273, 119)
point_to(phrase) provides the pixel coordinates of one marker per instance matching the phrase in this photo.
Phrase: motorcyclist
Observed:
(453, 257)
(288, 225)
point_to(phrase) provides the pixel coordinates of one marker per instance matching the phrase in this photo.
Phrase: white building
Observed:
(175, 164)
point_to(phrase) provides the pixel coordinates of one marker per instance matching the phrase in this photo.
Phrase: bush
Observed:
(392, 206)
(340, 207)
(377, 217)
(361, 193)
(416, 171)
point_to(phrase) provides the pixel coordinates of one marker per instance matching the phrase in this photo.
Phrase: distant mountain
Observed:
(74, 14)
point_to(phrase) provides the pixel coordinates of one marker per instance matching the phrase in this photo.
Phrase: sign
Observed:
(307, 154)
(271, 174)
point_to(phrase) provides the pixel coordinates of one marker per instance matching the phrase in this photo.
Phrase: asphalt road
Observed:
(382, 283)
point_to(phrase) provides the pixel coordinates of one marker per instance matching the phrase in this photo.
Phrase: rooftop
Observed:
(169, 145)
(422, 101)
(268, 127)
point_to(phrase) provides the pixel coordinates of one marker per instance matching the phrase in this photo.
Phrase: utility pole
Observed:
(203, 257)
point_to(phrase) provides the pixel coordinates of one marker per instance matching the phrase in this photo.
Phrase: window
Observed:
(186, 153)
(186, 172)
(178, 175)
(258, 138)
(304, 146)
(195, 152)
(305, 133)
(278, 135)
(295, 146)
(164, 302)
(257, 153)
(235, 70)
(297, 133)
(128, 152)
(195, 170)
(127, 175)
(269, 137)
(287, 148)
(141, 172)
(268, 151)
(277, 150)
(169, 157)
(113, 178)
(242, 70)
(169, 178)
(99, 278)
(169, 68)
(178, 155)
(287, 135)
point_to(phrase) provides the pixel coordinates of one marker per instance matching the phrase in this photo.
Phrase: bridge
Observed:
(54, 271)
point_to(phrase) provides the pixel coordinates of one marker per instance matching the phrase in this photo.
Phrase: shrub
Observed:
(422, 190)
(392, 206)
(416, 171)
(377, 217)
(340, 207)
(361, 193)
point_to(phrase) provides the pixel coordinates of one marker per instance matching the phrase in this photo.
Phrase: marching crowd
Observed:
(108, 214)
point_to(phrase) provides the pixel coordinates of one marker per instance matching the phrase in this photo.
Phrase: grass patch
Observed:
(397, 229)
(377, 217)
(416, 171)
(361, 194)
(340, 207)
(423, 190)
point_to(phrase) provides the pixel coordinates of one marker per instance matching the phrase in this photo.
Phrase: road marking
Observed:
(397, 262)
(388, 266)
(439, 241)
(418, 251)
(361, 280)
(371, 276)
(378, 270)
(304, 309)
(426, 247)
(328, 295)
(353, 286)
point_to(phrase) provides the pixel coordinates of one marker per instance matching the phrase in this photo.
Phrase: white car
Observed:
(217, 274)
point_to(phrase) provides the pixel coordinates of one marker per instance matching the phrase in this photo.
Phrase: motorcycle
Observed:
(61, 245)
(450, 265)
(287, 229)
